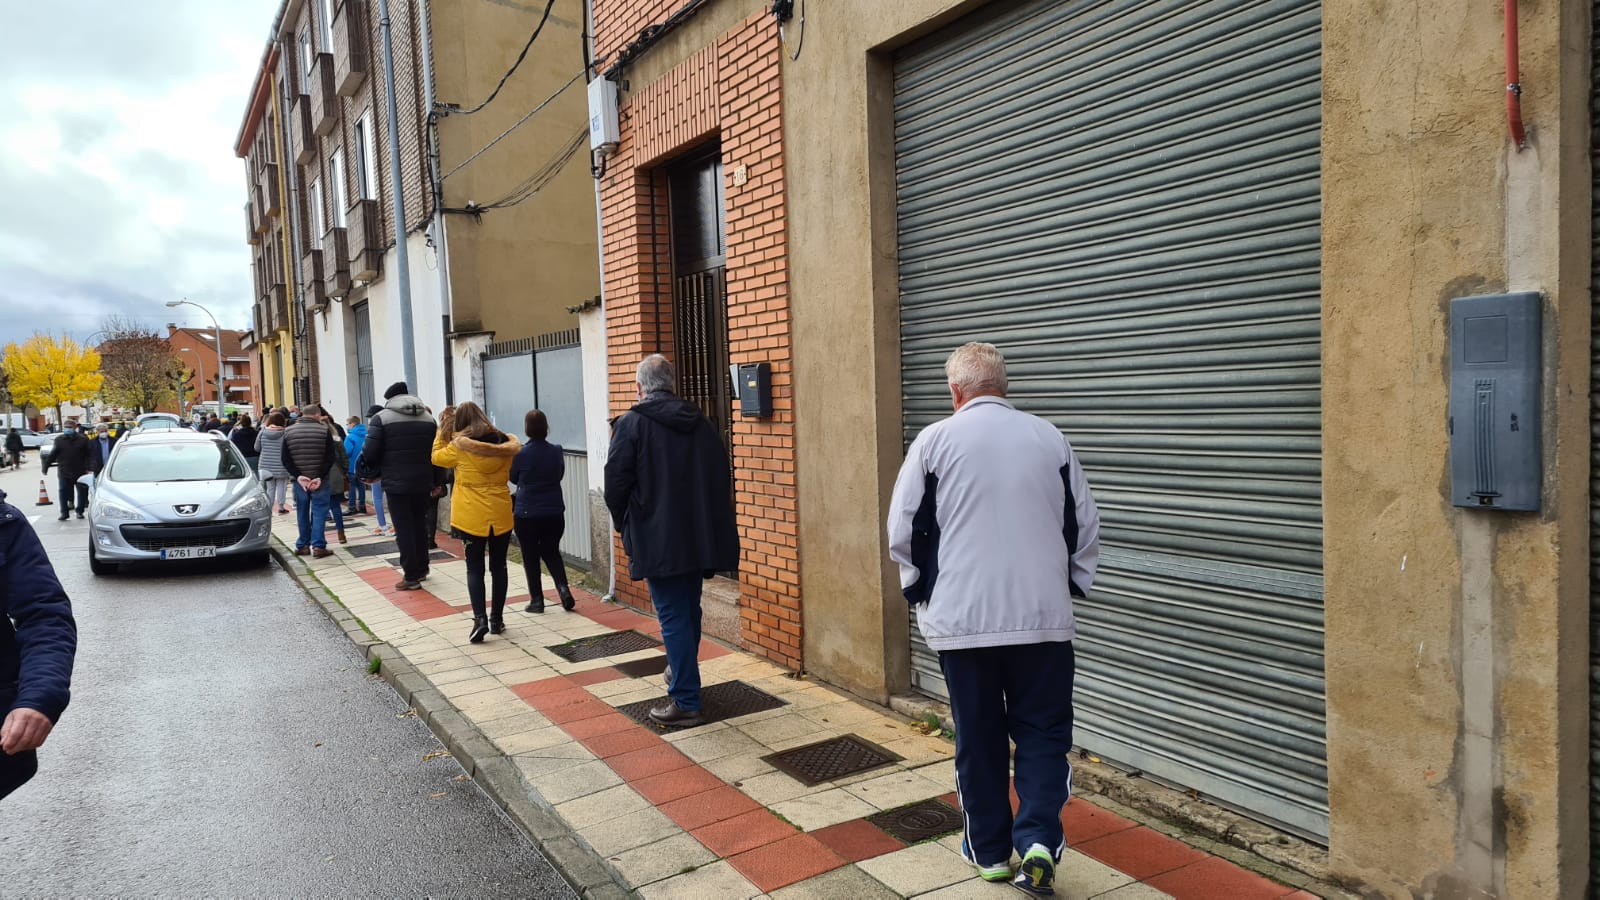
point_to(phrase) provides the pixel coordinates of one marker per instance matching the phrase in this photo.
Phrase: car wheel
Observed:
(96, 566)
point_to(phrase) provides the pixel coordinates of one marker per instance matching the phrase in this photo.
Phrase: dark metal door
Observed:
(366, 390)
(700, 288)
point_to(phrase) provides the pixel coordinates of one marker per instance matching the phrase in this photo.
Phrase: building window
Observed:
(366, 158)
(326, 22)
(336, 192)
(307, 58)
(315, 190)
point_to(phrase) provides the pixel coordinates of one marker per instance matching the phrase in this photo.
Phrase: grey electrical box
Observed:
(755, 391)
(1494, 401)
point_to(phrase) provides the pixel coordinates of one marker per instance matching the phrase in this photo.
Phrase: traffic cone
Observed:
(44, 495)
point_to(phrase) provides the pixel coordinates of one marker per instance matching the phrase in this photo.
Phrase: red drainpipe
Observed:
(1513, 79)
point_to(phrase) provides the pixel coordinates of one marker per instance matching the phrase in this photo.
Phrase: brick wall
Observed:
(731, 92)
(618, 22)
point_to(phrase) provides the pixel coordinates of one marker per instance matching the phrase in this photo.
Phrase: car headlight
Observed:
(250, 506)
(110, 509)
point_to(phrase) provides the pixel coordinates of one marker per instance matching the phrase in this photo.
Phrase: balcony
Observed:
(349, 47)
(335, 263)
(324, 102)
(315, 291)
(252, 235)
(257, 199)
(305, 140)
(260, 323)
(276, 302)
(366, 240)
(268, 182)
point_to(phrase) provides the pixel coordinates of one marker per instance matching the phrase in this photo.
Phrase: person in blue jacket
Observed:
(355, 437)
(38, 640)
(539, 510)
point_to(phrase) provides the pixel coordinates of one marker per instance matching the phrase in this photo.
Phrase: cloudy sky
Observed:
(119, 189)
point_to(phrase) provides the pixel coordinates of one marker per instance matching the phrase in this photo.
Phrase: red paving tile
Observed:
(558, 699)
(616, 743)
(1083, 822)
(595, 676)
(1141, 852)
(952, 798)
(1301, 895)
(788, 861)
(1215, 878)
(601, 724)
(700, 810)
(530, 689)
(858, 840)
(741, 833)
(650, 761)
(573, 712)
(676, 784)
(708, 650)
(419, 605)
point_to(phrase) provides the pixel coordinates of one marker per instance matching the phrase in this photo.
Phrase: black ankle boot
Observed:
(480, 627)
(536, 605)
(497, 619)
(567, 603)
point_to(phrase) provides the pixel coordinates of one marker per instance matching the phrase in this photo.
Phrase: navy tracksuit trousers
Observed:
(1023, 693)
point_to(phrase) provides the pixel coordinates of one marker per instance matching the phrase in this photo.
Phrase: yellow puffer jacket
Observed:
(480, 504)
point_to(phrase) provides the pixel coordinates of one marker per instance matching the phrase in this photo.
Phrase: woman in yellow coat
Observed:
(480, 507)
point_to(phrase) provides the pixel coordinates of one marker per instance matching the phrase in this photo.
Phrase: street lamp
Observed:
(200, 370)
(187, 302)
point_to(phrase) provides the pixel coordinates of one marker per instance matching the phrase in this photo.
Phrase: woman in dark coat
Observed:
(243, 437)
(539, 510)
(14, 448)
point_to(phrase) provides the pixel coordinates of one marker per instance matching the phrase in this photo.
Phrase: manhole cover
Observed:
(370, 549)
(434, 556)
(643, 668)
(919, 821)
(727, 700)
(831, 759)
(600, 646)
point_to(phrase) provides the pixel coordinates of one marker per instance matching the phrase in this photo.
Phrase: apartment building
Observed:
(498, 221)
(196, 349)
(1219, 243)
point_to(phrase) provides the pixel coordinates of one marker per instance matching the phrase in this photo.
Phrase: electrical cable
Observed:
(541, 179)
(520, 57)
(519, 123)
(800, 42)
(650, 34)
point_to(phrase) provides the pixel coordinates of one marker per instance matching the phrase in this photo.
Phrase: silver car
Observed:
(176, 495)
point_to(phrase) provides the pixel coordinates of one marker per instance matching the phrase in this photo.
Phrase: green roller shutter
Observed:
(1124, 196)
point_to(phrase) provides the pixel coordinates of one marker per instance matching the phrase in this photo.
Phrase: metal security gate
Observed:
(1594, 491)
(1124, 196)
(366, 388)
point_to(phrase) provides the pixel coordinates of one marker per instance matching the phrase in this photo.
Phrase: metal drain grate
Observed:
(600, 646)
(831, 759)
(434, 556)
(727, 700)
(919, 821)
(643, 668)
(364, 550)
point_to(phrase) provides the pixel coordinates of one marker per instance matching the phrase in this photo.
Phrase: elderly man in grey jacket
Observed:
(995, 531)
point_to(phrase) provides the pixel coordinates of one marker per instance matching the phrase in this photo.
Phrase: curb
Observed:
(587, 872)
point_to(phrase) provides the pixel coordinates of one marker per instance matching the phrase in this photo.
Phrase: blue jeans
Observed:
(677, 602)
(1023, 692)
(358, 494)
(311, 507)
(377, 503)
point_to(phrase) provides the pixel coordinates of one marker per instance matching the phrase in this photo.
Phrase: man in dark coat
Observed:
(667, 486)
(38, 640)
(100, 444)
(14, 448)
(399, 448)
(310, 454)
(73, 458)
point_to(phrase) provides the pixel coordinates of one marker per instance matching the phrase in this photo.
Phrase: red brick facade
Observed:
(730, 92)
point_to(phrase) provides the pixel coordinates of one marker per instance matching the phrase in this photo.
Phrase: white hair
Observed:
(977, 369)
(655, 374)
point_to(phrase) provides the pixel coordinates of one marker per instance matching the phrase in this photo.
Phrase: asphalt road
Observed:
(224, 740)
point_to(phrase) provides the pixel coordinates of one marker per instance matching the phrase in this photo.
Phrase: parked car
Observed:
(46, 451)
(174, 494)
(159, 422)
(33, 440)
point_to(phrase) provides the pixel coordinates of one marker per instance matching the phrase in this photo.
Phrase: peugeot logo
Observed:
(187, 509)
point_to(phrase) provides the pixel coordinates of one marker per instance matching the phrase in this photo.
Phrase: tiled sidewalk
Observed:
(701, 812)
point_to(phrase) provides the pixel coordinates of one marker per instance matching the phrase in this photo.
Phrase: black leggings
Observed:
(540, 539)
(496, 544)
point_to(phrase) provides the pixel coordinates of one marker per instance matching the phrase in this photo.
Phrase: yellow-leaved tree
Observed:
(50, 371)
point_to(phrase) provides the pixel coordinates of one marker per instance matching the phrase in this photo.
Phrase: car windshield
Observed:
(197, 461)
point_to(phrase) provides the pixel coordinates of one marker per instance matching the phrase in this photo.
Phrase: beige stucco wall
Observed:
(1423, 200)
(515, 271)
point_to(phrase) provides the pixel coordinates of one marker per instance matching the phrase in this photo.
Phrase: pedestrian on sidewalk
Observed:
(14, 448)
(399, 447)
(667, 486)
(370, 479)
(243, 436)
(540, 510)
(311, 455)
(269, 462)
(73, 456)
(354, 437)
(480, 514)
(339, 480)
(100, 448)
(991, 556)
(38, 641)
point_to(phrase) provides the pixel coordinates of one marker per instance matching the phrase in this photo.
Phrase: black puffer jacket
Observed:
(400, 446)
(667, 486)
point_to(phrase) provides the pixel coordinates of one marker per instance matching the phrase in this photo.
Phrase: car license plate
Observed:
(188, 552)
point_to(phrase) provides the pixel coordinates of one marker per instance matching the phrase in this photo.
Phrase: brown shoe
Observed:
(298, 551)
(321, 553)
(673, 714)
(339, 533)
(404, 585)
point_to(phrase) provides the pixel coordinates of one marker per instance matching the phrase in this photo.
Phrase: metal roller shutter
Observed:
(1594, 486)
(1124, 196)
